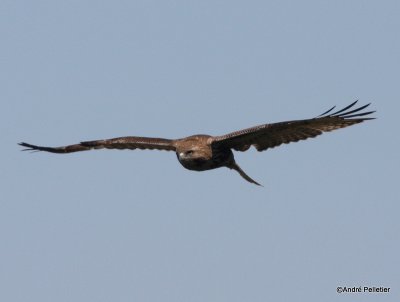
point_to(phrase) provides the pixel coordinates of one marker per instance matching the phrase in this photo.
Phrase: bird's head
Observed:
(194, 152)
(190, 154)
(194, 158)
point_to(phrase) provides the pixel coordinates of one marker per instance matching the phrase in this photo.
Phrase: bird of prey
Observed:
(205, 152)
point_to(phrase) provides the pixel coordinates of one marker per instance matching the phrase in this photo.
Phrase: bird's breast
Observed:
(202, 163)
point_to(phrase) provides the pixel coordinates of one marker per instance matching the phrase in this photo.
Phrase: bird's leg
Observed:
(236, 167)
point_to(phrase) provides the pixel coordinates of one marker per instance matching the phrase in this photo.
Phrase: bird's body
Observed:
(196, 153)
(205, 152)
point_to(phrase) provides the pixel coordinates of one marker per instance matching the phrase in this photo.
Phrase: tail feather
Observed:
(236, 167)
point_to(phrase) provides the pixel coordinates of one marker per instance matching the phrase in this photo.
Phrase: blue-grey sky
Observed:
(135, 225)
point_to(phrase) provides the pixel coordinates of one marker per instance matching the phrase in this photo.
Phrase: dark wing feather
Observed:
(267, 136)
(128, 142)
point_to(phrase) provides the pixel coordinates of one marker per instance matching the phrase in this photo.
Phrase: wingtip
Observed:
(22, 144)
(29, 147)
(346, 114)
(326, 112)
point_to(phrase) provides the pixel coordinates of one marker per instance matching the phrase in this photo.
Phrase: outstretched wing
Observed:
(267, 136)
(128, 142)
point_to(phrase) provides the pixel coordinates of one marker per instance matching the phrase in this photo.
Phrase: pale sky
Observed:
(135, 225)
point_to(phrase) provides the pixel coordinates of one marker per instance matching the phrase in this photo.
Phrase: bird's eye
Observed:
(189, 152)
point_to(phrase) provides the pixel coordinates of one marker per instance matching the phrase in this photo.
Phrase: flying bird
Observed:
(204, 152)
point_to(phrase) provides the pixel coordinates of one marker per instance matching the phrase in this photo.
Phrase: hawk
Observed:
(204, 152)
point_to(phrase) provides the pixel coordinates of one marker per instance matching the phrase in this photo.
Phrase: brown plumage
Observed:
(205, 152)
